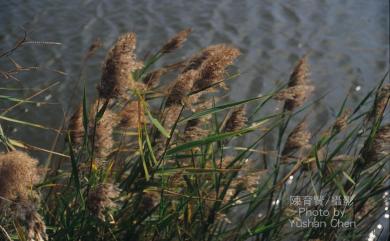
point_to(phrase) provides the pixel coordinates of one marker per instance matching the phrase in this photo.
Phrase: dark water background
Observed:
(347, 42)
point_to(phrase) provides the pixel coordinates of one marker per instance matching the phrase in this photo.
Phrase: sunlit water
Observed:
(347, 42)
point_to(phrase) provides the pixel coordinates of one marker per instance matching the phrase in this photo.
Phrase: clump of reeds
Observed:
(150, 161)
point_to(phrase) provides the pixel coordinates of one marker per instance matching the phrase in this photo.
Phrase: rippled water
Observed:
(347, 42)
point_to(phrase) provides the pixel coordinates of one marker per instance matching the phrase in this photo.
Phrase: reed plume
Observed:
(379, 147)
(381, 102)
(181, 88)
(149, 200)
(237, 120)
(194, 131)
(120, 62)
(76, 127)
(101, 199)
(26, 213)
(175, 42)
(294, 93)
(131, 114)
(18, 174)
(93, 48)
(298, 86)
(213, 62)
(249, 180)
(298, 138)
(342, 121)
(102, 131)
(152, 79)
(171, 114)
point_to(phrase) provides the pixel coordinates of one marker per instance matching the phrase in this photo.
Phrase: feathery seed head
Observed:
(118, 67)
(152, 79)
(176, 42)
(25, 212)
(171, 114)
(342, 121)
(18, 174)
(299, 88)
(237, 120)
(103, 135)
(212, 70)
(194, 131)
(76, 127)
(131, 114)
(300, 75)
(182, 87)
(149, 201)
(298, 138)
(381, 102)
(101, 199)
(379, 147)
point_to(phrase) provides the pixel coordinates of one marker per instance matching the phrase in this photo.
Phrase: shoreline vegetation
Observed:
(159, 155)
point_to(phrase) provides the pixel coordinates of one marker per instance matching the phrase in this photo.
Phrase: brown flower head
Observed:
(194, 131)
(118, 67)
(381, 101)
(101, 131)
(18, 174)
(237, 120)
(176, 42)
(152, 79)
(93, 48)
(299, 77)
(171, 114)
(380, 146)
(297, 94)
(249, 180)
(149, 200)
(298, 138)
(101, 199)
(25, 212)
(181, 88)
(131, 114)
(76, 127)
(342, 121)
(215, 59)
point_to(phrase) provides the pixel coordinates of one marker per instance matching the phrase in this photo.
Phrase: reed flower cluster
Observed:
(299, 88)
(18, 175)
(118, 67)
(101, 198)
